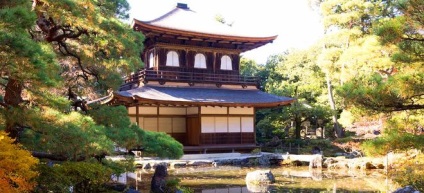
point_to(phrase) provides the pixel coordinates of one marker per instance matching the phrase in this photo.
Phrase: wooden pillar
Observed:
(186, 59)
(254, 125)
(214, 61)
(137, 115)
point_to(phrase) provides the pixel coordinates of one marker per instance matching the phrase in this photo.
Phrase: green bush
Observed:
(81, 176)
(161, 144)
(120, 167)
(411, 173)
(173, 185)
(392, 141)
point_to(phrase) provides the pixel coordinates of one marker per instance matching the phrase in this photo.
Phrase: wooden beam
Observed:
(197, 39)
(182, 38)
(168, 36)
(197, 48)
(210, 40)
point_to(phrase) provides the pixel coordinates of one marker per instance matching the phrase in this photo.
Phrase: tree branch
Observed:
(44, 155)
(84, 71)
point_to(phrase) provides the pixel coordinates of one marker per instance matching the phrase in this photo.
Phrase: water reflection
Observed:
(225, 179)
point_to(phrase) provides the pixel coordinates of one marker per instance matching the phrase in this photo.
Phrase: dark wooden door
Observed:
(193, 130)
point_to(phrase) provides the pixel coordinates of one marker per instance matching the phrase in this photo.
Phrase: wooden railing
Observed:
(163, 76)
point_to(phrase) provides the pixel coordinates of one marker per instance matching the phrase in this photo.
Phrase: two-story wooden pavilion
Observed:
(191, 87)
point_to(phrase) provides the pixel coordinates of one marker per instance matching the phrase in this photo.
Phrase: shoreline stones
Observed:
(406, 189)
(259, 180)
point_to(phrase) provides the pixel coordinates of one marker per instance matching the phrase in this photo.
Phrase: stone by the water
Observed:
(260, 177)
(406, 189)
(158, 183)
(259, 180)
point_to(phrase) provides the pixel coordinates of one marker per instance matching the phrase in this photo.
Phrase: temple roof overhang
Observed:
(183, 23)
(189, 96)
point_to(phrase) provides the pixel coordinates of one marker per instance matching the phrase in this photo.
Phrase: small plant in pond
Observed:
(256, 151)
(173, 185)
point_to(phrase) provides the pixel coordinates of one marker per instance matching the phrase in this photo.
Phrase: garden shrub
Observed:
(392, 141)
(411, 172)
(17, 172)
(75, 176)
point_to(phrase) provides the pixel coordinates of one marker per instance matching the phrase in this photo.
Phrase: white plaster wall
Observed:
(150, 124)
(172, 111)
(192, 110)
(178, 125)
(214, 110)
(132, 110)
(208, 124)
(247, 124)
(234, 124)
(141, 122)
(221, 124)
(165, 125)
(133, 119)
(241, 111)
(147, 110)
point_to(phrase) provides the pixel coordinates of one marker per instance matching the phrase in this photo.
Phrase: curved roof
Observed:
(204, 96)
(183, 20)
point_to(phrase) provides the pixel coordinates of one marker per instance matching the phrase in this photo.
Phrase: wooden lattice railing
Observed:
(163, 76)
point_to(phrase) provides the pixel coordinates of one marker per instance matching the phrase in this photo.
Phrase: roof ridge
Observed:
(172, 12)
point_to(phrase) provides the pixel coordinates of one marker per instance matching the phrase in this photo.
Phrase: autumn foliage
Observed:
(16, 167)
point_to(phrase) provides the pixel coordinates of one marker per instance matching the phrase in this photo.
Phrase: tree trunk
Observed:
(13, 98)
(298, 128)
(338, 130)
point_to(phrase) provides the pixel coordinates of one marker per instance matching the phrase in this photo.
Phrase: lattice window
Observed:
(226, 63)
(172, 59)
(151, 60)
(200, 61)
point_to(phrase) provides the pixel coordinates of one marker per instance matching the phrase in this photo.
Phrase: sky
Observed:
(296, 25)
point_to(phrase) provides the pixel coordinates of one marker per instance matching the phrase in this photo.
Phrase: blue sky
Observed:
(296, 25)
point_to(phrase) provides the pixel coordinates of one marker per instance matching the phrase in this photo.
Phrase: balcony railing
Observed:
(163, 76)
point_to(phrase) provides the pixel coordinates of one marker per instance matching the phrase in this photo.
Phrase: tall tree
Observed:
(398, 86)
(53, 48)
(350, 50)
(294, 74)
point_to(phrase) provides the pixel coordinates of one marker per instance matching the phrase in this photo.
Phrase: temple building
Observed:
(191, 87)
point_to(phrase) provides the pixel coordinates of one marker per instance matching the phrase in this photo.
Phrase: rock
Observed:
(158, 183)
(199, 163)
(177, 164)
(260, 177)
(316, 174)
(406, 189)
(328, 162)
(339, 154)
(222, 162)
(147, 166)
(316, 162)
(369, 166)
(264, 160)
(259, 180)
(258, 187)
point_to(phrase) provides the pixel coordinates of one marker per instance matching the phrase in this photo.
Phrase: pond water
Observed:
(228, 179)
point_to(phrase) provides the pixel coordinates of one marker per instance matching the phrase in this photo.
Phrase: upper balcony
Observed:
(183, 75)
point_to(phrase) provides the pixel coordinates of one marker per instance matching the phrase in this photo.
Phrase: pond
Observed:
(229, 179)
